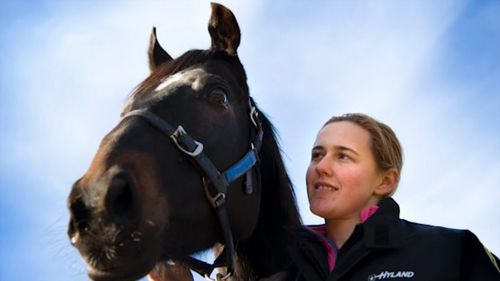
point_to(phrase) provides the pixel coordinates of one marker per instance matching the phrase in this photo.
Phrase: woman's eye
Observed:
(315, 155)
(343, 156)
(218, 96)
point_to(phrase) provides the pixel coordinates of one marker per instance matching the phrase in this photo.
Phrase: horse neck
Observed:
(265, 252)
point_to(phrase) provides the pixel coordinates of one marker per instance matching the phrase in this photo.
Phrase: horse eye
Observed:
(218, 96)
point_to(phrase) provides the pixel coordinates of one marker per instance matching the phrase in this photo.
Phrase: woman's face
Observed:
(342, 176)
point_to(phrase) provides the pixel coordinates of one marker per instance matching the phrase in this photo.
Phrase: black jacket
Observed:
(386, 247)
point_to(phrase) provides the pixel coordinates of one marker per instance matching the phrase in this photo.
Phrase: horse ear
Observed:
(223, 29)
(157, 55)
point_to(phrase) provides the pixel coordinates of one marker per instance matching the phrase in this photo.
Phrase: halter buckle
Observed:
(179, 132)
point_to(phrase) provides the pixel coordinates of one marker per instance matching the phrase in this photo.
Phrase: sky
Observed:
(428, 69)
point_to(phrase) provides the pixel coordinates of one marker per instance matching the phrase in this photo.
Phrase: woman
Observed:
(355, 167)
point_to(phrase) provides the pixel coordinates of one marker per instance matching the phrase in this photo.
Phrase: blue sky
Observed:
(430, 70)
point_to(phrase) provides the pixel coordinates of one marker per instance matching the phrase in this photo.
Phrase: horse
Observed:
(155, 194)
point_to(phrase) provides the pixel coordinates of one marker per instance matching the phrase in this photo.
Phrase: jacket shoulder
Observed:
(410, 229)
(477, 262)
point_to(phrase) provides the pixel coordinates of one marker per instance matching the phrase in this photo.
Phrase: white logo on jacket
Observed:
(391, 274)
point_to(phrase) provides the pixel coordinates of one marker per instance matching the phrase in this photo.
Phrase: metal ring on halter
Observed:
(217, 200)
(179, 132)
(218, 277)
(254, 113)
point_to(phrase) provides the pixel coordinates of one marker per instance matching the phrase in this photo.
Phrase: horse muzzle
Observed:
(111, 201)
(105, 226)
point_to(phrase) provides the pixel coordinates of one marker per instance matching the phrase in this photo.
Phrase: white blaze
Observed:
(191, 77)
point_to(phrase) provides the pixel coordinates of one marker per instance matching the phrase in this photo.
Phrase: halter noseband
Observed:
(218, 182)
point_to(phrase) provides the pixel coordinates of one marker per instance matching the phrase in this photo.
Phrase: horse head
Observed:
(144, 197)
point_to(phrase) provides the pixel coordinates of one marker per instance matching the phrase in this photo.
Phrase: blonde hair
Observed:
(385, 146)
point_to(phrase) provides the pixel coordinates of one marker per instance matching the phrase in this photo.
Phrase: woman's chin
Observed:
(321, 208)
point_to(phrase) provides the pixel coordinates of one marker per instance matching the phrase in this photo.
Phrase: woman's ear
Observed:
(388, 182)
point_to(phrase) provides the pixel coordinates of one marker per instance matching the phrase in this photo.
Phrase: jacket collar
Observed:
(382, 230)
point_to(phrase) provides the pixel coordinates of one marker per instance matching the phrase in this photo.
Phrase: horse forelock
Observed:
(169, 70)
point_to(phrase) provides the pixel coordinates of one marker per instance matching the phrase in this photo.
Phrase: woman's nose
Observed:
(324, 166)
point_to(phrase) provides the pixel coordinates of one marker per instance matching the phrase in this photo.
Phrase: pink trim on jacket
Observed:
(320, 231)
(367, 213)
(322, 235)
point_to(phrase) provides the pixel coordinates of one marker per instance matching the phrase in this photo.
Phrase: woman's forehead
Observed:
(343, 133)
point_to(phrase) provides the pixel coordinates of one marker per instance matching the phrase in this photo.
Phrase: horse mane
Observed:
(265, 251)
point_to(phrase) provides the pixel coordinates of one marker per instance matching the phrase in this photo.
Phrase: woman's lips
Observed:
(323, 186)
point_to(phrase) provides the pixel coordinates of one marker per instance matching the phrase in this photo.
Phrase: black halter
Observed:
(217, 183)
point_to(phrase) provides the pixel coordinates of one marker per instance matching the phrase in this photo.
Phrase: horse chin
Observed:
(164, 271)
(131, 271)
(129, 263)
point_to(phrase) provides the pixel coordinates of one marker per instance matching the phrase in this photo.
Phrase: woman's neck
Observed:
(339, 230)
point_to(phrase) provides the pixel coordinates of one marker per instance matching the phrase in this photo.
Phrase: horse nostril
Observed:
(80, 215)
(120, 200)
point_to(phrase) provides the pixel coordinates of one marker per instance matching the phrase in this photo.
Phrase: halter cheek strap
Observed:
(217, 184)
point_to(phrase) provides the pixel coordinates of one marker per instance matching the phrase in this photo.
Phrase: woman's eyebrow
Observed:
(343, 148)
(336, 147)
(317, 147)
